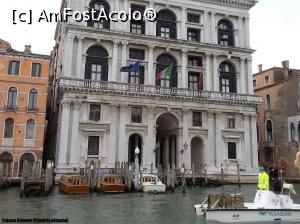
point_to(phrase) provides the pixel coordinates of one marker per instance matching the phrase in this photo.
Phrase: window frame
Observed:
(10, 134)
(33, 99)
(267, 82)
(229, 153)
(196, 37)
(93, 116)
(197, 119)
(10, 66)
(231, 122)
(93, 152)
(33, 130)
(32, 73)
(198, 59)
(189, 15)
(12, 96)
(136, 114)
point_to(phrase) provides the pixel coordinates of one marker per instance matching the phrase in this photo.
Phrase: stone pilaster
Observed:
(79, 73)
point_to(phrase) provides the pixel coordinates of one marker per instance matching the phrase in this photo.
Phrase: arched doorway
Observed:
(6, 160)
(26, 157)
(135, 140)
(197, 147)
(166, 140)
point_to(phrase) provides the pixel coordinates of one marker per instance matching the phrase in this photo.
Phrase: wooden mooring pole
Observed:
(205, 175)
(238, 174)
(183, 179)
(193, 175)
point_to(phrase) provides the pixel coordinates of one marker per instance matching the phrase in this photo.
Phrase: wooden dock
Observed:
(36, 182)
(5, 180)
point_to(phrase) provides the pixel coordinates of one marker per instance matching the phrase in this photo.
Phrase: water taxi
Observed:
(111, 184)
(74, 184)
(267, 207)
(152, 183)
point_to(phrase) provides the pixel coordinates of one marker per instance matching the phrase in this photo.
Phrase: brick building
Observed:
(23, 97)
(278, 120)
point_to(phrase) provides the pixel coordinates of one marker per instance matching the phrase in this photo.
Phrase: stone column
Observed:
(123, 146)
(254, 142)
(241, 32)
(211, 157)
(67, 68)
(151, 75)
(247, 32)
(206, 30)
(150, 26)
(247, 153)
(149, 151)
(114, 62)
(185, 138)
(64, 131)
(213, 28)
(79, 73)
(111, 152)
(184, 75)
(219, 150)
(75, 144)
(183, 24)
(117, 9)
(125, 8)
(124, 75)
(166, 151)
(243, 80)
(215, 73)
(249, 76)
(208, 72)
(83, 65)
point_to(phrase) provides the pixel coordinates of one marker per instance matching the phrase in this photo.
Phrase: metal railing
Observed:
(130, 89)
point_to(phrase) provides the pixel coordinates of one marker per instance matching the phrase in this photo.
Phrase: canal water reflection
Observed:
(114, 209)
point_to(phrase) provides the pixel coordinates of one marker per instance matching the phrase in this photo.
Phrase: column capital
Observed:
(151, 46)
(124, 42)
(113, 106)
(151, 109)
(215, 55)
(186, 110)
(70, 36)
(124, 107)
(184, 51)
(183, 8)
(205, 12)
(208, 54)
(66, 102)
(116, 42)
(243, 59)
(213, 13)
(241, 17)
(80, 37)
(249, 60)
(77, 104)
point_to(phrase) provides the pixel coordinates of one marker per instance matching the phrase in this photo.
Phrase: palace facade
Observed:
(203, 114)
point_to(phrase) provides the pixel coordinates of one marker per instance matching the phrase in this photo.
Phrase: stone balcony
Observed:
(71, 84)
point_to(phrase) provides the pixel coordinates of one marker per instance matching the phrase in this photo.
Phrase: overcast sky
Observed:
(275, 29)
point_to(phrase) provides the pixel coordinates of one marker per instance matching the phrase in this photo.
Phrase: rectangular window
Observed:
(36, 70)
(254, 83)
(231, 122)
(137, 78)
(225, 85)
(267, 80)
(165, 32)
(14, 67)
(137, 27)
(93, 146)
(193, 34)
(197, 119)
(99, 24)
(136, 114)
(96, 72)
(195, 81)
(95, 112)
(193, 18)
(232, 150)
(195, 61)
(269, 155)
(138, 54)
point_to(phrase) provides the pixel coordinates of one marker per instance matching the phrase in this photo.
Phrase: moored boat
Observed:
(74, 184)
(152, 183)
(267, 207)
(111, 184)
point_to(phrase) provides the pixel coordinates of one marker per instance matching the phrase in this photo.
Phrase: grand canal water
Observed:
(114, 209)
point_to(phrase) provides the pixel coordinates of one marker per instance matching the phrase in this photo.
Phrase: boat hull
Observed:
(73, 189)
(252, 215)
(112, 188)
(154, 188)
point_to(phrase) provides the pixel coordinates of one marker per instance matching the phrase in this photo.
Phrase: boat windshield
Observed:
(149, 179)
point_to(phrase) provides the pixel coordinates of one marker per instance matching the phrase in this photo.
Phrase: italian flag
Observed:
(166, 73)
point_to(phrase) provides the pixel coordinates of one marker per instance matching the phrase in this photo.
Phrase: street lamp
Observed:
(137, 168)
(185, 146)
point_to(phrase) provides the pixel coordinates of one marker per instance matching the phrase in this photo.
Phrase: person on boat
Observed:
(263, 179)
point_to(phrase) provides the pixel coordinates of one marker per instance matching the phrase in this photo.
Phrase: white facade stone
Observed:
(118, 97)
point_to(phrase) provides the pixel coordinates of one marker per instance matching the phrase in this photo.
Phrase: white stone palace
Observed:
(203, 114)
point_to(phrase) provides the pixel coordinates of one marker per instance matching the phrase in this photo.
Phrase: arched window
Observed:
(26, 157)
(98, 6)
(12, 98)
(268, 102)
(225, 33)
(227, 78)
(6, 160)
(166, 24)
(269, 129)
(96, 67)
(30, 129)
(32, 103)
(163, 61)
(293, 132)
(9, 128)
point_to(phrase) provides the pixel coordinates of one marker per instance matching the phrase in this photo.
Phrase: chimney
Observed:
(260, 68)
(27, 49)
(285, 64)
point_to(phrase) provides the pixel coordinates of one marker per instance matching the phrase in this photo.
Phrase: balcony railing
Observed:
(157, 91)
(269, 144)
(10, 108)
(32, 108)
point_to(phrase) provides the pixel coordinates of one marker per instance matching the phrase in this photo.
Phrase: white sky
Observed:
(275, 29)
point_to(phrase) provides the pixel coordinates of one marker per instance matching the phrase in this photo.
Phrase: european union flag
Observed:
(132, 68)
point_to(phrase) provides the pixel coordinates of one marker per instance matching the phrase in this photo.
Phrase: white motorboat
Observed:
(152, 183)
(267, 207)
